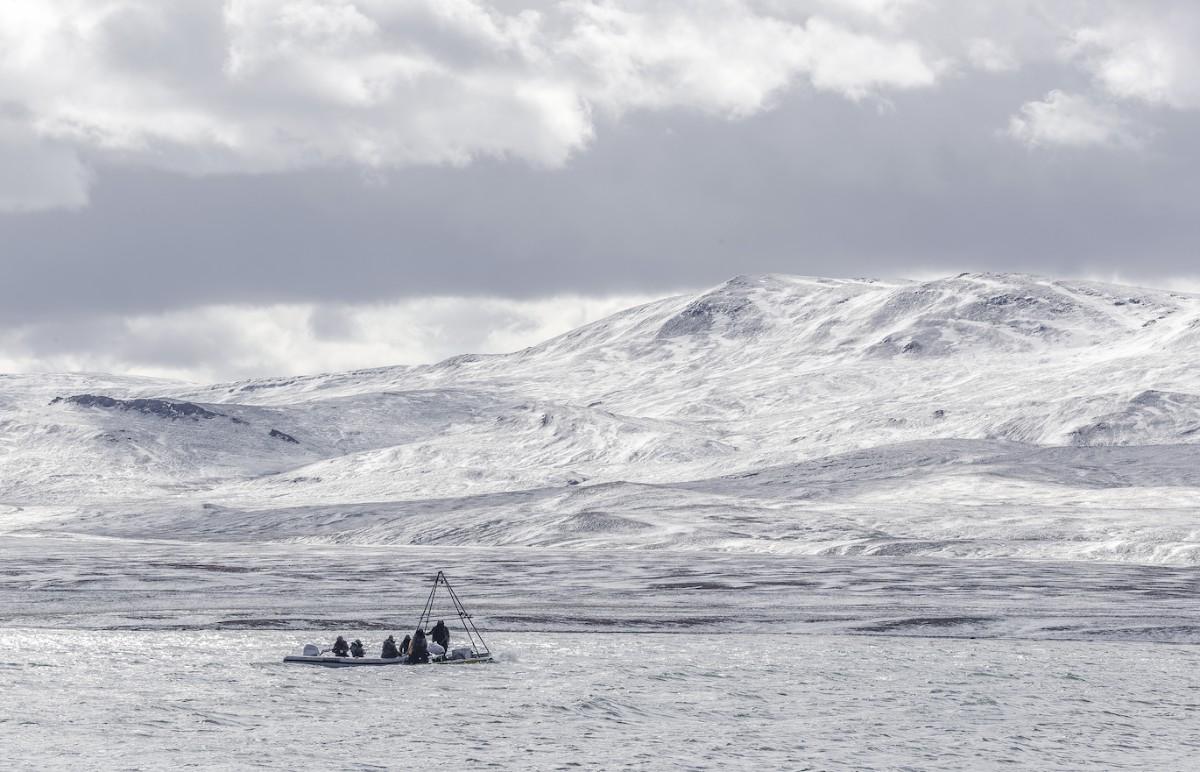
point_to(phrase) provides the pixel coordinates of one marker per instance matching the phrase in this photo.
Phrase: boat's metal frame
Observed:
(478, 647)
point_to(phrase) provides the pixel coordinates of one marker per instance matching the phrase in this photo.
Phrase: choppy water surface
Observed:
(158, 699)
(116, 584)
(152, 655)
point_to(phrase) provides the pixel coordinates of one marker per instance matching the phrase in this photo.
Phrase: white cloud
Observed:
(728, 60)
(1071, 120)
(268, 85)
(1152, 59)
(887, 12)
(988, 55)
(222, 342)
(1143, 53)
(857, 65)
(249, 86)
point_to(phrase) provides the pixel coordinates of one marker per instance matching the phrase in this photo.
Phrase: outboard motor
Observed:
(312, 650)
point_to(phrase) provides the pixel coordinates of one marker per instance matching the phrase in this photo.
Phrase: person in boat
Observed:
(357, 650)
(441, 635)
(389, 649)
(404, 645)
(418, 649)
(341, 648)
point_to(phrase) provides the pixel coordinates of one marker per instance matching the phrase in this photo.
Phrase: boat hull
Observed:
(297, 659)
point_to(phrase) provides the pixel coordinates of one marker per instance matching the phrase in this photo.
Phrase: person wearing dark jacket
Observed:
(404, 645)
(341, 648)
(441, 635)
(389, 649)
(418, 650)
(357, 650)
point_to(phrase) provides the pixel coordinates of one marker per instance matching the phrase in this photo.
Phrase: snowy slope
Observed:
(975, 415)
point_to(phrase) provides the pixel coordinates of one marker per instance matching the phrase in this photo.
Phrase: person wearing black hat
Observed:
(441, 635)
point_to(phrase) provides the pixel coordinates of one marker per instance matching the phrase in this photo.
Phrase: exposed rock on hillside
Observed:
(163, 408)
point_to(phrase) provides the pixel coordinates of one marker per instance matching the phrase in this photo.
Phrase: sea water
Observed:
(156, 655)
(223, 699)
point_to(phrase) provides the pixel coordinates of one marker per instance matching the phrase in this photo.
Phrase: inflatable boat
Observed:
(475, 653)
(300, 659)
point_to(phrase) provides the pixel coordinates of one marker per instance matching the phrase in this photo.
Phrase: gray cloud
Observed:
(337, 155)
(661, 202)
(211, 343)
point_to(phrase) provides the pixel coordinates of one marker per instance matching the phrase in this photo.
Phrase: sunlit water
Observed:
(158, 700)
(161, 655)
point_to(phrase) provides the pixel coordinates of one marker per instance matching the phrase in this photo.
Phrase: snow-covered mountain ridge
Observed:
(981, 414)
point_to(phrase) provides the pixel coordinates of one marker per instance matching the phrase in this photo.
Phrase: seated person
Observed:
(341, 648)
(356, 649)
(389, 649)
(418, 650)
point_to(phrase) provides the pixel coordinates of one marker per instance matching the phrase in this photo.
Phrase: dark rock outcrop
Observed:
(285, 437)
(163, 408)
(728, 310)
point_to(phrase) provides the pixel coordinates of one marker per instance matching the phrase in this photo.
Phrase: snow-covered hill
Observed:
(975, 415)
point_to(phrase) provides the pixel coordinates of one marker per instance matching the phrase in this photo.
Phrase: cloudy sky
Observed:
(215, 190)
